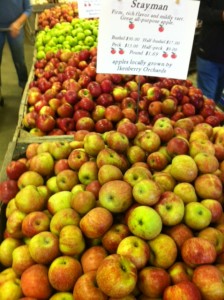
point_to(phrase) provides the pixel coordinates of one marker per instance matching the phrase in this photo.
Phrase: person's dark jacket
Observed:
(211, 40)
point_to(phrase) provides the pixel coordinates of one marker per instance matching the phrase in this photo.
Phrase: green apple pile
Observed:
(74, 36)
(117, 216)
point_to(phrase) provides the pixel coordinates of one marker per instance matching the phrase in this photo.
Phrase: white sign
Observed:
(89, 9)
(141, 37)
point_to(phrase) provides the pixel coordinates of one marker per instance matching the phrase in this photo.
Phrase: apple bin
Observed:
(140, 216)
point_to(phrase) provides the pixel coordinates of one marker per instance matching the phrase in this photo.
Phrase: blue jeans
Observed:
(210, 79)
(16, 46)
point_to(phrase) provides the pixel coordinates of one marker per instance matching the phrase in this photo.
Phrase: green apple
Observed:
(42, 163)
(88, 172)
(144, 222)
(183, 168)
(30, 178)
(29, 199)
(93, 143)
(44, 247)
(136, 174)
(197, 216)
(11, 289)
(7, 247)
(59, 201)
(186, 192)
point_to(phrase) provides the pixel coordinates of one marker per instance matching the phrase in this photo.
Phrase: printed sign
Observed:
(89, 9)
(142, 37)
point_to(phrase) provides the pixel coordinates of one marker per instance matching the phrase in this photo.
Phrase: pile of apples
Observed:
(125, 214)
(67, 94)
(71, 36)
(49, 17)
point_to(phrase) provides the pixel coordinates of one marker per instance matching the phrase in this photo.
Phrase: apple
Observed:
(165, 181)
(103, 125)
(113, 113)
(35, 282)
(71, 240)
(67, 179)
(35, 222)
(214, 184)
(61, 164)
(11, 289)
(136, 249)
(104, 100)
(60, 149)
(60, 295)
(115, 196)
(63, 273)
(146, 192)
(186, 192)
(215, 236)
(85, 123)
(42, 163)
(179, 233)
(206, 163)
(58, 201)
(7, 274)
(136, 173)
(83, 201)
(163, 128)
(96, 222)
(186, 289)
(65, 216)
(128, 128)
(93, 143)
(14, 169)
(109, 156)
(215, 208)
(52, 186)
(135, 154)
(85, 288)
(92, 258)
(152, 281)
(116, 276)
(177, 146)
(183, 168)
(112, 238)
(29, 199)
(119, 93)
(209, 280)
(163, 251)
(149, 141)
(201, 145)
(157, 161)
(117, 141)
(14, 224)
(8, 190)
(180, 272)
(44, 247)
(76, 158)
(171, 208)
(7, 247)
(197, 216)
(21, 259)
(88, 172)
(144, 222)
(108, 173)
(197, 251)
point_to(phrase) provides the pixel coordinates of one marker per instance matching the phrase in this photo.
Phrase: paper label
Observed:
(89, 9)
(146, 38)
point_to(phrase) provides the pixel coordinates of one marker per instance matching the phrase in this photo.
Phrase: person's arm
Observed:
(209, 14)
(18, 23)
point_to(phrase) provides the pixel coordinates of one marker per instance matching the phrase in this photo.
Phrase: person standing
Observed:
(13, 15)
(210, 54)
